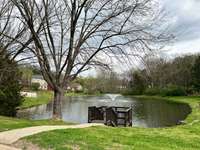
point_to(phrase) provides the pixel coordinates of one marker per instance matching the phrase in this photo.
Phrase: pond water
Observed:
(146, 113)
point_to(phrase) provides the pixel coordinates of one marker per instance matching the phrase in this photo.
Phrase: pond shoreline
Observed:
(146, 113)
(178, 99)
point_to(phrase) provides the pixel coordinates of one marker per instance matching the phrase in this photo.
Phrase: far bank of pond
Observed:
(45, 97)
(146, 113)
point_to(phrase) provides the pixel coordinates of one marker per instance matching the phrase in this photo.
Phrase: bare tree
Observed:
(70, 36)
(13, 33)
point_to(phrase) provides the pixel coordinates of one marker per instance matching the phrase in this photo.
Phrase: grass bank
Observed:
(183, 137)
(44, 97)
(7, 123)
(73, 94)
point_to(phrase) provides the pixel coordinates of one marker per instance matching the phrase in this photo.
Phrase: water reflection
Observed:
(146, 113)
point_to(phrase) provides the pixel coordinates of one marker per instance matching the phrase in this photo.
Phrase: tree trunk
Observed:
(57, 103)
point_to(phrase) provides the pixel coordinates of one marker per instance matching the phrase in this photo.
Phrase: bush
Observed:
(173, 91)
(35, 86)
(91, 92)
(132, 92)
(10, 97)
(168, 91)
(137, 92)
(126, 92)
(190, 91)
(152, 91)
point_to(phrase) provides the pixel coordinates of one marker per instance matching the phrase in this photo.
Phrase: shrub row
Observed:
(168, 91)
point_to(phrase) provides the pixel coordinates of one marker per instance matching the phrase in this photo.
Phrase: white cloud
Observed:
(184, 47)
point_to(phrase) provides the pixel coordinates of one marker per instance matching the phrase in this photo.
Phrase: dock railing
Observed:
(111, 116)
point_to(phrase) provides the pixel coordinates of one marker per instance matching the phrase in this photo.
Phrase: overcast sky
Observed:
(184, 19)
(185, 22)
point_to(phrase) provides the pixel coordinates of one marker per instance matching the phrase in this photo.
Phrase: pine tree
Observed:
(10, 97)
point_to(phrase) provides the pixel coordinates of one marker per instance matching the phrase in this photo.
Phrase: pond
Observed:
(146, 113)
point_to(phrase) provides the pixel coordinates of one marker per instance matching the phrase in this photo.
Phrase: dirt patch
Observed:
(115, 146)
(73, 147)
(25, 145)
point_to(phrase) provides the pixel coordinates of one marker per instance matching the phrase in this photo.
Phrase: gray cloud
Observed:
(184, 18)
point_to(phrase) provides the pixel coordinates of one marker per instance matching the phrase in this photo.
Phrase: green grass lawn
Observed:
(43, 97)
(7, 123)
(183, 137)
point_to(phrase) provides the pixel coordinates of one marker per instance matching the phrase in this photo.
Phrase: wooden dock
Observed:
(110, 116)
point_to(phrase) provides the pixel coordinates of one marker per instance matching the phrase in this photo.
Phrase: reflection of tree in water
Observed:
(37, 113)
(49, 106)
(74, 110)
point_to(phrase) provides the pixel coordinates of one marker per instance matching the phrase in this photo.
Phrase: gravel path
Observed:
(5, 147)
(10, 137)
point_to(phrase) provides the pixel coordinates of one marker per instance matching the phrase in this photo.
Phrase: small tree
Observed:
(10, 97)
(35, 86)
(26, 77)
(196, 74)
(138, 83)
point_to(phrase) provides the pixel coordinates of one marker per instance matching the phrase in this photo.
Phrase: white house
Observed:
(28, 94)
(39, 79)
(75, 87)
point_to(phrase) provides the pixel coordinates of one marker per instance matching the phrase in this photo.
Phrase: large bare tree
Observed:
(69, 36)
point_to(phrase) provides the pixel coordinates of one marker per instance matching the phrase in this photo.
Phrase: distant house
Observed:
(75, 87)
(39, 79)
